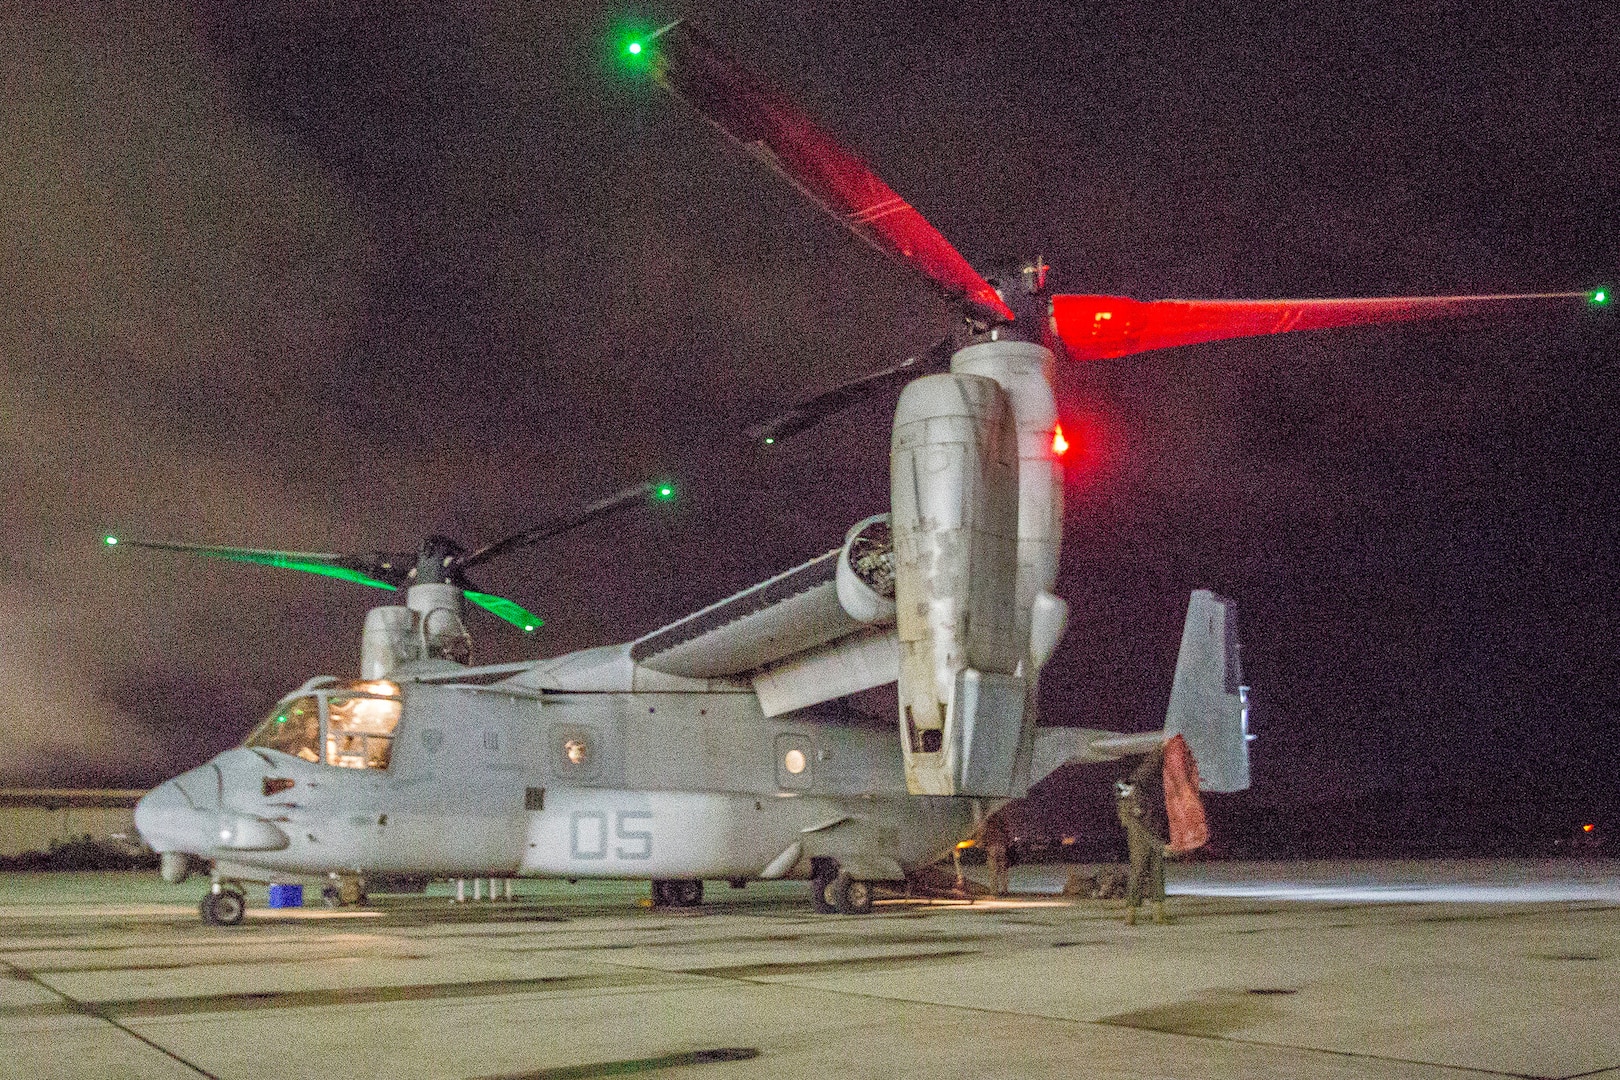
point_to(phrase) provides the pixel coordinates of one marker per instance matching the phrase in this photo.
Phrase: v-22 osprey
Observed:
(718, 747)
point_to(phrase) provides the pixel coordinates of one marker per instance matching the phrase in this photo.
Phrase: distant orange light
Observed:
(1060, 445)
(1588, 828)
(965, 844)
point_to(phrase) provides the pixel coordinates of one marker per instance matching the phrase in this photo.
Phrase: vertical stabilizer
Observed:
(1208, 702)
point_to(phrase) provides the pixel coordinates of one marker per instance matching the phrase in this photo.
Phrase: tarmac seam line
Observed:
(80, 1007)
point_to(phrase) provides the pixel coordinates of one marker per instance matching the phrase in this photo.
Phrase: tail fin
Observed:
(1208, 703)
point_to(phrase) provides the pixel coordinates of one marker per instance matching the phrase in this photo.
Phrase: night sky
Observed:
(325, 282)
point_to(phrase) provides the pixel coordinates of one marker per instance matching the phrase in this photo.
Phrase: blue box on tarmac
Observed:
(286, 896)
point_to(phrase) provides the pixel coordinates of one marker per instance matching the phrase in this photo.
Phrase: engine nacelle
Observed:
(387, 640)
(830, 597)
(428, 626)
(954, 497)
(865, 574)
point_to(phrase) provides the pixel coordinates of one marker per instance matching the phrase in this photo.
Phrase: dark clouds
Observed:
(311, 280)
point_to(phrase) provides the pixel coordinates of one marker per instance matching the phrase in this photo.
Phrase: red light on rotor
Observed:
(1588, 828)
(1060, 445)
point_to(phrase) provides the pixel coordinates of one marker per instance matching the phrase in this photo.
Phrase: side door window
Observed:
(574, 751)
(360, 730)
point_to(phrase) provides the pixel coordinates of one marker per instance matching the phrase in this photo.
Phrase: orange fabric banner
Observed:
(1189, 828)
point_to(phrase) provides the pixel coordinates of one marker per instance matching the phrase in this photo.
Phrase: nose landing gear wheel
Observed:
(849, 896)
(223, 908)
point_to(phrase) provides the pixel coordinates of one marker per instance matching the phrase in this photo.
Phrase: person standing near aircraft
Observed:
(994, 839)
(1139, 800)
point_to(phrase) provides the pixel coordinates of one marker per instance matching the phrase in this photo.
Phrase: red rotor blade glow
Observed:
(1103, 327)
(773, 130)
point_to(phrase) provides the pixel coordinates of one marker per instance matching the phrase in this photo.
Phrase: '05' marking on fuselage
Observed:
(588, 834)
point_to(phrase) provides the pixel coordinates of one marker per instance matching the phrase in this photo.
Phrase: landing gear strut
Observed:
(677, 893)
(224, 906)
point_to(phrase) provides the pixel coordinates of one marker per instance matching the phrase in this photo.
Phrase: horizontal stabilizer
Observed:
(1056, 747)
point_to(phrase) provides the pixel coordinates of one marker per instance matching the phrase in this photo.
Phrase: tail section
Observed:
(1208, 701)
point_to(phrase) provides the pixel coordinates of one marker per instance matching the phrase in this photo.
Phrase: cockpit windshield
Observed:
(350, 725)
(294, 728)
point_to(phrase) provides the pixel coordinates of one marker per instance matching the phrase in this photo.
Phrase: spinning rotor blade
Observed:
(772, 129)
(376, 570)
(502, 608)
(1104, 327)
(653, 489)
(813, 410)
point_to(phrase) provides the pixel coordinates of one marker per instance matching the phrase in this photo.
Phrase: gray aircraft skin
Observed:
(509, 779)
(721, 746)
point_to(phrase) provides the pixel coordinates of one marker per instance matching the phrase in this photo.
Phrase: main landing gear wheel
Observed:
(849, 896)
(342, 894)
(677, 893)
(821, 894)
(223, 908)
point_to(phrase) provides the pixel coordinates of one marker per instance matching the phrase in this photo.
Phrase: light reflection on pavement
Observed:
(1465, 881)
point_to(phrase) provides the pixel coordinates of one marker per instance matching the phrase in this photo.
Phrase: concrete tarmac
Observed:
(1397, 970)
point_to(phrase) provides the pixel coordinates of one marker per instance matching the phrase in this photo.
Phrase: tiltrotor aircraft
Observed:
(717, 747)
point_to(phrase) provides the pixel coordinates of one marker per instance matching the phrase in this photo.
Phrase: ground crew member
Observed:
(993, 838)
(1140, 802)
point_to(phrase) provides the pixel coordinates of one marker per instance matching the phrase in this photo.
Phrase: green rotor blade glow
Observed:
(341, 573)
(502, 608)
(284, 560)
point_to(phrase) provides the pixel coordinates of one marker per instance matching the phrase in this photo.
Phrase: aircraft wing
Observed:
(790, 613)
(791, 638)
(811, 634)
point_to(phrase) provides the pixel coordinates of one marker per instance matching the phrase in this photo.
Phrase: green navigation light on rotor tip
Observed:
(634, 48)
(1600, 296)
(111, 541)
(502, 608)
(665, 492)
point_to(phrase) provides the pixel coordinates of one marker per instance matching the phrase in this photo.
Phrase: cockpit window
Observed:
(294, 728)
(360, 722)
(358, 731)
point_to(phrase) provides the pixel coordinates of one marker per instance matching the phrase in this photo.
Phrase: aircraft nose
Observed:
(167, 820)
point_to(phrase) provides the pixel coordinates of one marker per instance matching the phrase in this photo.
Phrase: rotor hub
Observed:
(1021, 284)
(436, 561)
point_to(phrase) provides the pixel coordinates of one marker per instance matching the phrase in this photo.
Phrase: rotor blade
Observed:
(1103, 327)
(506, 609)
(813, 410)
(652, 489)
(772, 129)
(342, 567)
